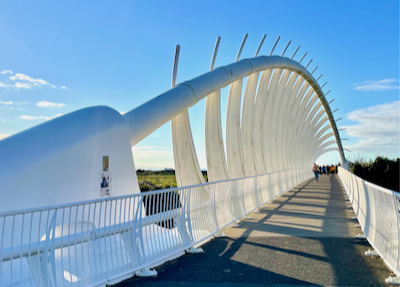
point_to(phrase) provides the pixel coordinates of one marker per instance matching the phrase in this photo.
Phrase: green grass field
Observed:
(156, 181)
(152, 180)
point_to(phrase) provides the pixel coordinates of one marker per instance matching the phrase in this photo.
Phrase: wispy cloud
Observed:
(2, 85)
(387, 84)
(22, 81)
(35, 82)
(44, 104)
(20, 85)
(30, 118)
(63, 87)
(6, 103)
(377, 129)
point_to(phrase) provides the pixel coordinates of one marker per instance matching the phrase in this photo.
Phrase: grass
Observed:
(156, 181)
(161, 179)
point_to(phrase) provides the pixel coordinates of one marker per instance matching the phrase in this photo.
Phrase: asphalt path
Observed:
(305, 237)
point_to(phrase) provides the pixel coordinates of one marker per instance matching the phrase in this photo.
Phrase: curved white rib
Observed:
(259, 111)
(233, 138)
(247, 124)
(268, 120)
(281, 115)
(216, 162)
(187, 168)
(286, 118)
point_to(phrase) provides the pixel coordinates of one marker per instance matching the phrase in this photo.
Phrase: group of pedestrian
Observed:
(325, 169)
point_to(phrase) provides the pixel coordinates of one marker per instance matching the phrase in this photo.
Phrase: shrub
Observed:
(381, 171)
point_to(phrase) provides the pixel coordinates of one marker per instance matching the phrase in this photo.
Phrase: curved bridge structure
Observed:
(73, 212)
(281, 121)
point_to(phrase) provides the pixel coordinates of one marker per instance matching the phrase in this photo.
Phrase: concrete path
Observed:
(305, 237)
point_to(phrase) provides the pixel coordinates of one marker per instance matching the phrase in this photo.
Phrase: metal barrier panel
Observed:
(378, 212)
(99, 242)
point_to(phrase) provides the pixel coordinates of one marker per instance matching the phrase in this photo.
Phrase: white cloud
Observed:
(2, 85)
(386, 84)
(49, 105)
(20, 85)
(3, 136)
(36, 82)
(63, 87)
(6, 72)
(6, 103)
(29, 118)
(377, 129)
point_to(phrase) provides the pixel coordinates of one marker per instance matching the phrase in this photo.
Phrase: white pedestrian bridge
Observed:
(72, 214)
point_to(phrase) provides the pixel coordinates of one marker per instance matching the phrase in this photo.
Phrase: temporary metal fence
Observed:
(377, 210)
(102, 242)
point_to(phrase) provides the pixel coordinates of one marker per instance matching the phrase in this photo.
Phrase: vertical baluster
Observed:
(62, 244)
(12, 245)
(116, 234)
(20, 245)
(106, 237)
(133, 232)
(96, 242)
(89, 242)
(84, 275)
(75, 246)
(38, 246)
(122, 229)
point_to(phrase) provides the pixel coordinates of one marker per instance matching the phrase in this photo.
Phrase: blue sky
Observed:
(57, 57)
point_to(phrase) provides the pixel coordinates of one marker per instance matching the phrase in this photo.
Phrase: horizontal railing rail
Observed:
(378, 212)
(99, 242)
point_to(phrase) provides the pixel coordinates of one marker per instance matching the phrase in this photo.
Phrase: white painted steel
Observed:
(280, 127)
(378, 212)
(233, 137)
(187, 168)
(258, 121)
(216, 161)
(234, 151)
(247, 125)
(60, 160)
(267, 120)
(186, 94)
(102, 242)
(215, 153)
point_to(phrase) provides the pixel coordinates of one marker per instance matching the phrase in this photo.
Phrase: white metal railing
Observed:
(99, 242)
(377, 211)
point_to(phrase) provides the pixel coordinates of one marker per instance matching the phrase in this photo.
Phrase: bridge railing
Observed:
(99, 242)
(378, 212)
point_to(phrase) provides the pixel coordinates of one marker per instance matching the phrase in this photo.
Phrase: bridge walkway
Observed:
(304, 237)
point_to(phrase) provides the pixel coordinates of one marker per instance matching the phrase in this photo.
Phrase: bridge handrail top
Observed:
(154, 192)
(373, 185)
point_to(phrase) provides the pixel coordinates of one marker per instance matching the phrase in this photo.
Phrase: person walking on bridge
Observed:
(332, 169)
(315, 170)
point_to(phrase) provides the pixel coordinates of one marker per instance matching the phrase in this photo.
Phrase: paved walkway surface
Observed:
(305, 237)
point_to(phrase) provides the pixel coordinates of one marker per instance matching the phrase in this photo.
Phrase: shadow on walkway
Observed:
(305, 237)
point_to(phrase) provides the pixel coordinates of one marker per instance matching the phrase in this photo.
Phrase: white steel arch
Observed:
(280, 126)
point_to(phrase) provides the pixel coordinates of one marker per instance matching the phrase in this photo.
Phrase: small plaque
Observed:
(105, 184)
(106, 163)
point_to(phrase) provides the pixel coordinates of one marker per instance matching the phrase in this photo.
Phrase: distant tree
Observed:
(381, 171)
